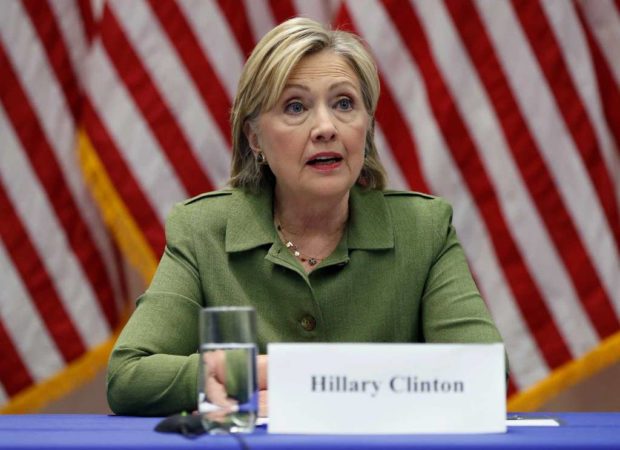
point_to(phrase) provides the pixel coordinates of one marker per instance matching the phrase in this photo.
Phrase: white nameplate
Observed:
(386, 388)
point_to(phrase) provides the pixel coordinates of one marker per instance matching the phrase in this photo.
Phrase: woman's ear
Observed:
(252, 136)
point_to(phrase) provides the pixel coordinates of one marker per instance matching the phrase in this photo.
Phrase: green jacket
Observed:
(398, 275)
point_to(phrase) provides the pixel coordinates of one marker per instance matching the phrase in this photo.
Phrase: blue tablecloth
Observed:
(578, 431)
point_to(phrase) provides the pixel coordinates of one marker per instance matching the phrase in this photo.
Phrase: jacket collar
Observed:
(250, 222)
(370, 225)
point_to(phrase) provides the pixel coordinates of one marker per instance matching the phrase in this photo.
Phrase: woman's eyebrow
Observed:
(337, 85)
(342, 84)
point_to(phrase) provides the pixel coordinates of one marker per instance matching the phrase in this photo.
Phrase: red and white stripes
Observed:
(62, 289)
(502, 100)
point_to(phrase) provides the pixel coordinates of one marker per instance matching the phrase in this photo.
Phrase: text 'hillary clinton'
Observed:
(397, 384)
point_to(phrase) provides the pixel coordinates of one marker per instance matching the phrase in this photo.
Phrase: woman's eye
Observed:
(294, 108)
(344, 104)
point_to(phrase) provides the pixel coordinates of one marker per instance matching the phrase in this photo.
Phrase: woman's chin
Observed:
(329, 187)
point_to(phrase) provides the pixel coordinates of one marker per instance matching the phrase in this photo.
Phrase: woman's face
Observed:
(314, 136)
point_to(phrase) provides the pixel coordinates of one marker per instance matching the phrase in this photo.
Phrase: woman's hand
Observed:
(262, 404)
(216, 378)
(261, 368)
(215, 387)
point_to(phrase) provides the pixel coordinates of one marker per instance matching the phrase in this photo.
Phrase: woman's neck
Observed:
(307, 217)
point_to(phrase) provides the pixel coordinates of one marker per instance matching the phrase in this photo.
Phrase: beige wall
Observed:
(89, 398)
(599, 393)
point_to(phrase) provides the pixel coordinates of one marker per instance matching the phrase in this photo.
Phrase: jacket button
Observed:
(308, 322)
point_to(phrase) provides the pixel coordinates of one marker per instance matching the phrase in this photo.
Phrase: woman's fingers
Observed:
(261, 367)
(262, 403)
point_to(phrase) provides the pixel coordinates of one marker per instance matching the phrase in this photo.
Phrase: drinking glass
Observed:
(227, 382)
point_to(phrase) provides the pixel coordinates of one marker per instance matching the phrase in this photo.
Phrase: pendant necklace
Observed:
(295, 250)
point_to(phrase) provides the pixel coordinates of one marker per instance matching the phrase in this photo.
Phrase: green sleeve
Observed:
(452, 308)
(153, 367)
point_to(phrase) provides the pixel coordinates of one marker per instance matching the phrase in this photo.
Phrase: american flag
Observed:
(111, 111)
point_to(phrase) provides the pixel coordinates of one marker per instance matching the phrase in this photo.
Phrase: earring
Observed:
(260, 158)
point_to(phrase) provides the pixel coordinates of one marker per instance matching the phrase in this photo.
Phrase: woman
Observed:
(306, 234)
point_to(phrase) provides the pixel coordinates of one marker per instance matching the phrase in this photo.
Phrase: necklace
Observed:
(295, 250)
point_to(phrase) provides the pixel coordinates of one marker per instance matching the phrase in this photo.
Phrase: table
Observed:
(73, 431)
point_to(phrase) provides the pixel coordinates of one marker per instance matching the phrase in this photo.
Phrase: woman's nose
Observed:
(324, 129)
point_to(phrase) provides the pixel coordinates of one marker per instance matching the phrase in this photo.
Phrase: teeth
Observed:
(325, 159)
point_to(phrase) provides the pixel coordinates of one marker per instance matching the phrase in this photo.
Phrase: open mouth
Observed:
(324, 160)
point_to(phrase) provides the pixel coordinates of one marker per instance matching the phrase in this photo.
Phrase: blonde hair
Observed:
(263, 79)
